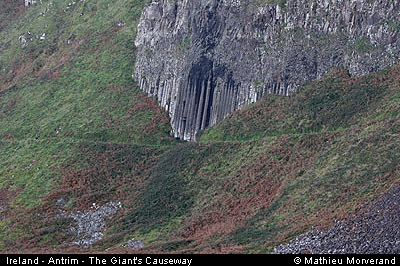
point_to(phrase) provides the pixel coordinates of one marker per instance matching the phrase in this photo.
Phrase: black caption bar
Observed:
(194, 260)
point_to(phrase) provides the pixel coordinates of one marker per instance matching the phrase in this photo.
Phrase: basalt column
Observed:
(203, 59)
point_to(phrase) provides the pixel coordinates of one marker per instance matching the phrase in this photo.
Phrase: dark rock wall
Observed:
(203, 59)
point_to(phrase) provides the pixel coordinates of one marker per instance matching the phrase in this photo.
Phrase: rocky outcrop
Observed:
(204, 59)
(375, 230)
(29, 2)
(88, 226)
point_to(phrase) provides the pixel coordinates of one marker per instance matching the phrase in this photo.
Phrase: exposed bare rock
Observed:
(134, 244)
(29, 2)
(204, 59)
(88, 226)
(375, 231)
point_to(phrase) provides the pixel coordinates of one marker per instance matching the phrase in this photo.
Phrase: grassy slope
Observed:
(338, 140)
(74, 126)
(52, 92)
(55, 95)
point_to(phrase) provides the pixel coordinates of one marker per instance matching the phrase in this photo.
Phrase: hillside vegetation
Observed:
(81, 144)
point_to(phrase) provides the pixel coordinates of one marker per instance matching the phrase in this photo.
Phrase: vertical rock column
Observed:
(202, 60)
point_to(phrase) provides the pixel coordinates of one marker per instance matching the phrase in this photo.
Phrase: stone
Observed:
(30, 2)
(22, 39)
(134, 244)
(88, 226)
(202, 60)
(374, 230)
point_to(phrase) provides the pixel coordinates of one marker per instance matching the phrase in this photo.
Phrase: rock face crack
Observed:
(203, 60)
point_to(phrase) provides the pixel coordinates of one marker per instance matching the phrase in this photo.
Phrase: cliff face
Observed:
(204, 59)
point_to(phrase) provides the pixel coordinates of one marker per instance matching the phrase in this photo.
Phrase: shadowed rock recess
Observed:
(204, 59)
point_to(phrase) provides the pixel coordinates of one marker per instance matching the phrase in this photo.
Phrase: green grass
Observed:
(334, 103)
(55, 95)
(32, 165)
(86, 88)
